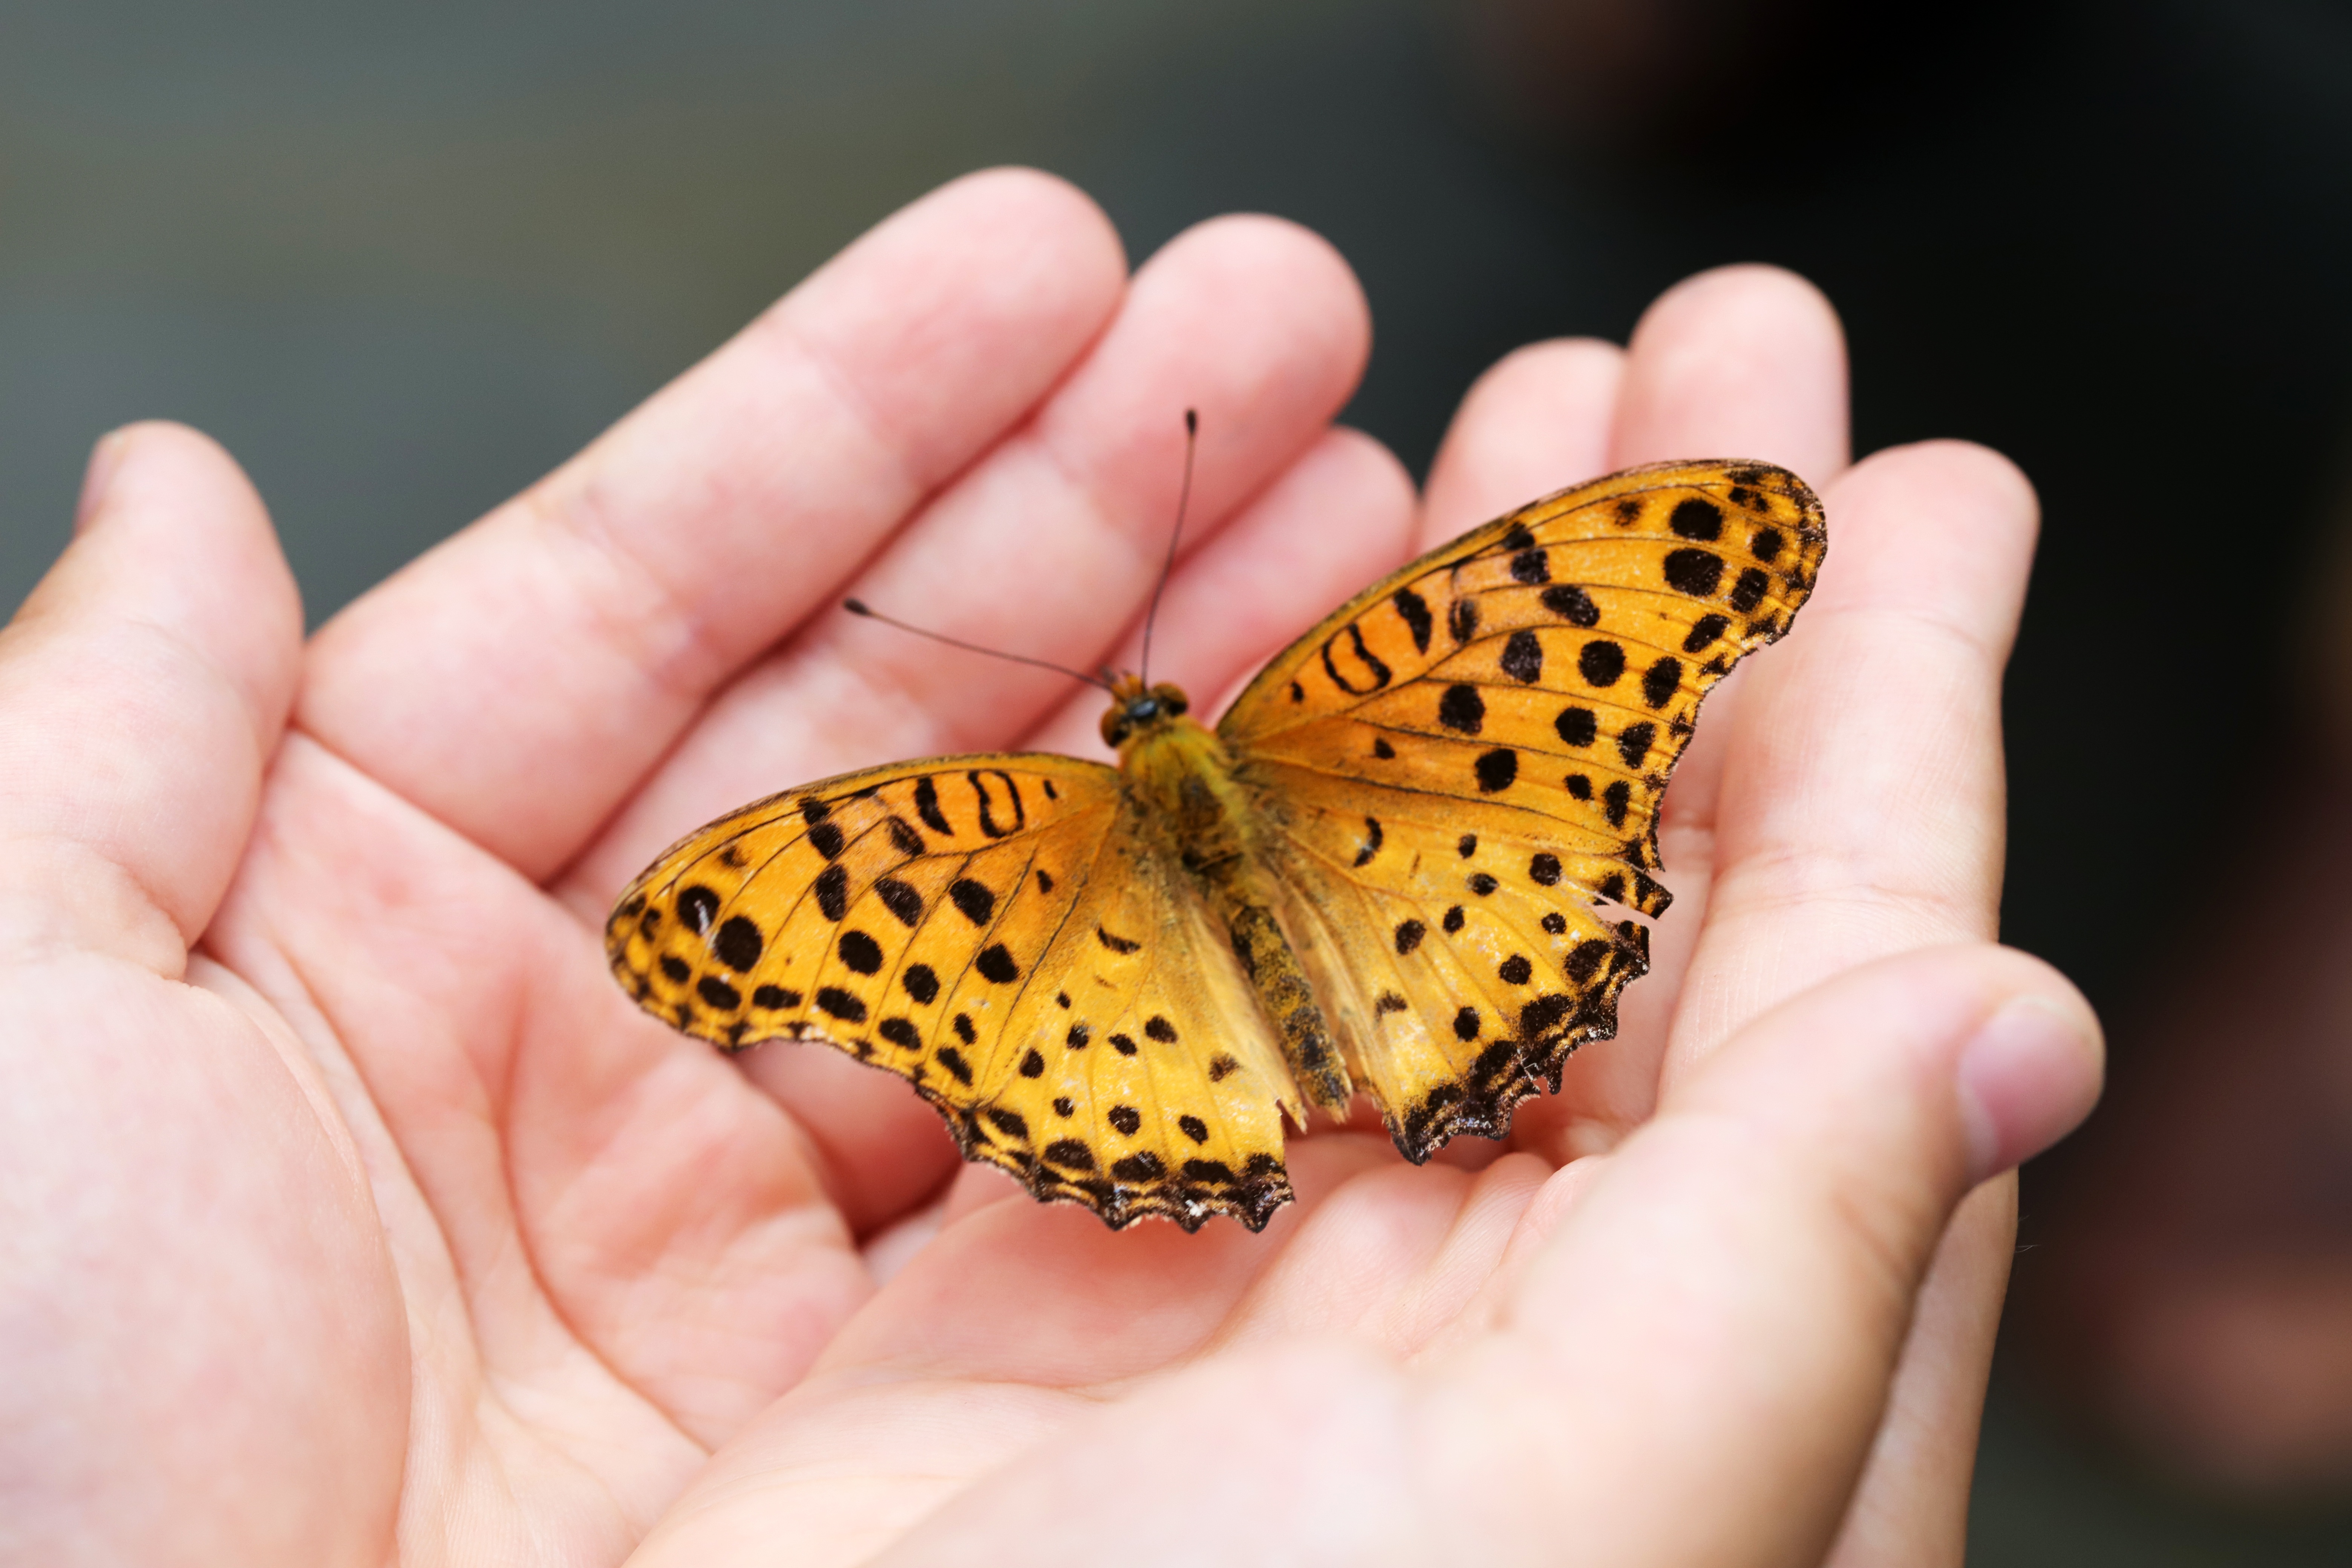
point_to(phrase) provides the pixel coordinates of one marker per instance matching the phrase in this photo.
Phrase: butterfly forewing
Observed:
(1013, 936)
(1461, 762)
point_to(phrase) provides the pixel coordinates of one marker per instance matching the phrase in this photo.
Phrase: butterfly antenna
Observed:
(1184, 499)
(860, 607)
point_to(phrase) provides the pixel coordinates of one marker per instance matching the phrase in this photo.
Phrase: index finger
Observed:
(518, 680)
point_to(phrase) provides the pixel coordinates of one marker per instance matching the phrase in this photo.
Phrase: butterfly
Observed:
(1406, 862)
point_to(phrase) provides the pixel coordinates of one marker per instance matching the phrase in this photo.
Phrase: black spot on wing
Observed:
(1415, 611)
(1697, 519)
(840, 1003)
(922, 983)
(901, 1033)
(1372, 844)
(1461, 709)
(1497, 769)
(1126, 1118)
(903, 838)
(900, 899)
(833, 891)
(718, 994)
(1408, 935)
(1704, 632)
(1544, 869)
(1572, 604)
(1116, 943)
(1618, 798)
(1633, 742)
(1531, 566)
(926, 806)
(1600, 662)
(1586, 959)
(977, 903)
(1578, 726)
(696, 905)
(995, 963)
(826, 837)
(1694, 572)
(1661, 680)
(775, 998)
(861, 952)
(1463, 620)
(1523, 658)
(1749, 592)
(953, 1059)
(738, 944)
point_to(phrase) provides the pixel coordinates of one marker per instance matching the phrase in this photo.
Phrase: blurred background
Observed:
(403, 260)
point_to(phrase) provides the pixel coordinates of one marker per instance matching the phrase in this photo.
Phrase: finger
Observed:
(1789, 1195)
(1541, 420)
(1862, 809)
(1742, 362)
(1690, 1369)
(1049, 547)
(142, 689)
(517, 681)
(1861, 813)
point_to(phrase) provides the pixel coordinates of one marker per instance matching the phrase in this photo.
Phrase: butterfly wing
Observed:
(1461, 769)
(1013, 936)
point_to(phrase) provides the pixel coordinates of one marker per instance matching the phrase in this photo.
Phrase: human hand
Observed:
(352, 1210)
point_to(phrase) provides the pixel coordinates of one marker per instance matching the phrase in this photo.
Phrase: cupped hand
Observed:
(349, 1212)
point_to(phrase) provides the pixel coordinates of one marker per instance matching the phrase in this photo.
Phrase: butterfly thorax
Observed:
(1182, 776)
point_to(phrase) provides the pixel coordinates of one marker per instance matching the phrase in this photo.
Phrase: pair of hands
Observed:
(350, 1211)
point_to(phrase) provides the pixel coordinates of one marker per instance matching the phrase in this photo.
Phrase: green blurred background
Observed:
(403, 260)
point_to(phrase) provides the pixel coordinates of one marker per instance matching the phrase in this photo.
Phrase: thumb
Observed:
(1714, 1322)
(144, 686)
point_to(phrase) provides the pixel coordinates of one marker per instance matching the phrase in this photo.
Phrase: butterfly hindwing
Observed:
(1009, 934)
(1464, 760)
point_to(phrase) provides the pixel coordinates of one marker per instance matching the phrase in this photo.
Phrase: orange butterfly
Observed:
(1391, 866)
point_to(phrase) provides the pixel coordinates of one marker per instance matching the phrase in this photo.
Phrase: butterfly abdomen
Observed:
(1185, 775)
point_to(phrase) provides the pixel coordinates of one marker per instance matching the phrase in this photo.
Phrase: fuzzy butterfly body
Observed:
(1406, 862)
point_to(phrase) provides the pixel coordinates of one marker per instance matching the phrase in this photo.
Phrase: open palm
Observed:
(353, 1215)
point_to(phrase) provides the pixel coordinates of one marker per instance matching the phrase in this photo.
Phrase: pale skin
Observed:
(349, 1214)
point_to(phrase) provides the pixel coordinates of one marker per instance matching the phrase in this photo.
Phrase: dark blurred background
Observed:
(403, 260)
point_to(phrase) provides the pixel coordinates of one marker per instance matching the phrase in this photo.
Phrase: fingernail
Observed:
(104, 459)
(2026, 1079)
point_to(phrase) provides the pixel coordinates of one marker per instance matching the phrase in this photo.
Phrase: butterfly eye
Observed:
(1170, 698)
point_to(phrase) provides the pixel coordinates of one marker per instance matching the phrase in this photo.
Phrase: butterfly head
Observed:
(1137, 710)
